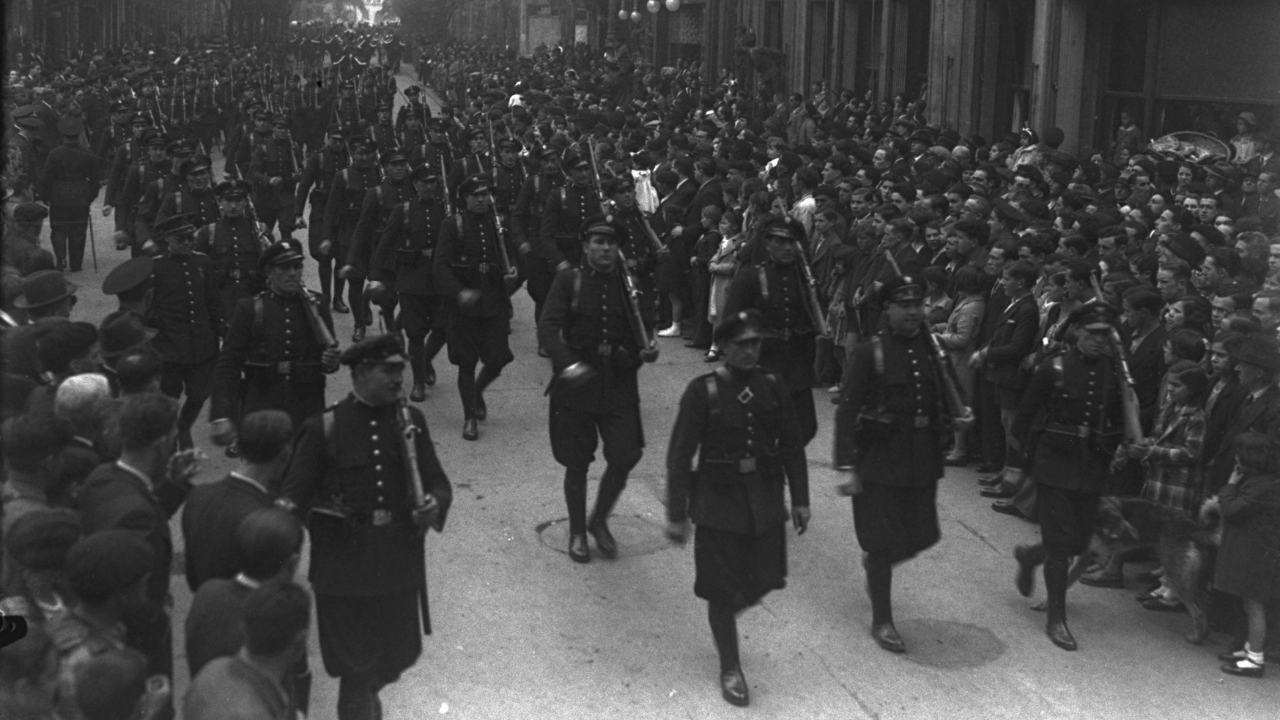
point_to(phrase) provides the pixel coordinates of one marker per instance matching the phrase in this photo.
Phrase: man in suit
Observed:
(1258, 367)
(710, 193)
(70, 183)
(1145, 338)
(215, 510)
(140, 492)
(1011, 341)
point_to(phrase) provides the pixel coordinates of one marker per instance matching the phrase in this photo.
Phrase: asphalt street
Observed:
(522, 632)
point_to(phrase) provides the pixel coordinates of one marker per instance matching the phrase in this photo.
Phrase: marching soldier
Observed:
(508, 178)
(188, 313)
(342, 214)
(411, 134)
(537, 263)
(589, 329)
(1077, 394)
(241, 132)
(565, 211)
(274, 170)
(382, 132)
(317, 178)
(149, 168)
(476, 161)
(274, 357)
(777, 289)
(346, 110)
(70, 182)
(740, 423)
(260, 133)
(890, 426)
(472, 270)
(123, 158)
(413, 106)
(406, 248)
(436, 152)
(195, 196)
(636, 243)
(235, 243)
(367, 506)
(394, 190)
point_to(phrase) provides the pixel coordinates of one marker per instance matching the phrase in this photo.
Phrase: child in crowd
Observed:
(722, 266)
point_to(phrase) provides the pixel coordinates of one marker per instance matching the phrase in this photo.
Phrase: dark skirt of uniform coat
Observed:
(672, 275)
(896, 522)
(738, 569)
(376, 636)
(1066, 519)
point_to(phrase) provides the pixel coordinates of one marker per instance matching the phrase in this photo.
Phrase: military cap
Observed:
(281, 252)
(174, 225)
(139, 118)
(475, 184)
(423, 173)
(1258, 350)
(180, 147)
(903, 288)
(509, 144)
(29, 120)
(40, 539)
(155, 138)
(435, 123)
(30, 212)
(43, 288)
(261, 115)
(547, 154)
(394, 155)
(280, 120)
(107, 562)
(743, 325)
(573, 161)
(1095, 315)
(120, 107)
(334, 131)
(255, 105)
(412, 90)
(195, 164)
(70, 127)
(782, 228)
(123, 331)
(600, 226)
(375, 350)
(364, 142)
(231, 190)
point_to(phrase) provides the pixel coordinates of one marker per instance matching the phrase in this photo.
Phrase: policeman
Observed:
(70, 182)
(317, 177)
(274, 168)
(565, 211)
(402, 263)
(130, 282)
(1078, 396)
(740, 423)
(366, 514)
(890, 426)
(777, 289)
(275, 355)
(236, 243)
(589, 328)
(342, 213)
(196, 196)
(394, 190)
(188, 314)
(472, 269)
(536, 262)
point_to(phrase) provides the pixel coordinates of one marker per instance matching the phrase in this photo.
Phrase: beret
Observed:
(39, 540)
(108, 561)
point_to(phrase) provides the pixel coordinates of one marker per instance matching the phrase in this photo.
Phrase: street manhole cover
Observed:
(635, 535)
(947, 644)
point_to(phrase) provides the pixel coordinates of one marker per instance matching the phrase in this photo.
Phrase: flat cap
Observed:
(108, 561)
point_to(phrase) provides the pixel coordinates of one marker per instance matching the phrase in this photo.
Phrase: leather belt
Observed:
(1083, 431)
(380, 518)
(744, 465)
(920, 422)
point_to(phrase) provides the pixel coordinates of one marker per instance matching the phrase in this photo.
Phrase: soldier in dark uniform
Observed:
(537, 262)
(195, 196)
(113, 136)
(413, 106)
(382, 132)
(317, 177)
(260, 133)
(147, 169)
(188, 313)
(412, 134)
(890, 426)
(274, 169)
(590, 332)
(777, 289)
(565, 211)
(240, 133)
(379, 202)
(274, 356)
(70, 182)
(476, 161)
(366, 528)
(508, 178)
(436, 151)
(1072, 415)
(636, 243)
(235, 243)
(472, 271)
(346, 110)
(740, 423)
(342, 213)
(402, 263)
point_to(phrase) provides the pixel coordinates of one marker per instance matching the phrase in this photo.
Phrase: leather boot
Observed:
(301, 691)
(1028, 557)
(1055, 585)
(880, 590)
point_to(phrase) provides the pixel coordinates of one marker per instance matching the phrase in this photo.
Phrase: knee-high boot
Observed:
(1055, 585)
(880, 590)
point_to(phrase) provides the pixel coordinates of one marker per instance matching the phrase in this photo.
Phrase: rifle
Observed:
(643, 338)
(408, 437)
(950, 381)
(1128, 396)
(312, 306)
(811, 294)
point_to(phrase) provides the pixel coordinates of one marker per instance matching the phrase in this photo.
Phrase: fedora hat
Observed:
(121, 333)
(42, 288)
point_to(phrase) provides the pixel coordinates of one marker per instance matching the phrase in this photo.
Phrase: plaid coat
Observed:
(1173, 464)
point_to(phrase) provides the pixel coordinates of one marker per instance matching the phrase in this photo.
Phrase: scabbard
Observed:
(426, 610)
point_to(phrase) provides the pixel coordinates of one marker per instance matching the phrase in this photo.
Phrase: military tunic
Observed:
(275, 204)
(468, 256)
(559, 238)
(744, 430)
(407, 249)
(346, 199)
(367, 556)
(234, 246)
(317, 178)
